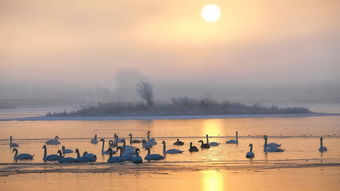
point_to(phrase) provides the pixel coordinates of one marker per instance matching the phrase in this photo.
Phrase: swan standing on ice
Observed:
(107, 152)
(22, 156)
(119, 158)
(204, 145)
(54, 141)
(94, 140)
(170, 151)
(150, 156)
(66, 151)
(213, 144)
(152, 141)
(52, 157)
(322, 148)
(250, 154)
(192, 148)
(271, 147)
(132, 141)
(137, 159)
(270, 144)
(235, 141)
(11, 144)
(85, 158)
(178, 143)
(65, 159)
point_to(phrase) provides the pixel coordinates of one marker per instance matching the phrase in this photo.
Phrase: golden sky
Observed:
(86, 42)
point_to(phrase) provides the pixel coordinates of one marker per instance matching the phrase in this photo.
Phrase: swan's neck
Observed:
(103, 146)
(321, 143)
(251, 148)
(78, 155)
(164, 149)
(149, 152)
(111, 154)
(148, 136)
(236, 137)
(121, 152)
(207, 139)
(15, 154)
(130, 139)
(45, 152)
(10, 140)
(190, 145)
(265, 143)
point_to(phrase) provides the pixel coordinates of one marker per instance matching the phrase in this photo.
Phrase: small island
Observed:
(175, 107)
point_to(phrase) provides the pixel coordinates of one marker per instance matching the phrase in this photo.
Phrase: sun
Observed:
(211, 13)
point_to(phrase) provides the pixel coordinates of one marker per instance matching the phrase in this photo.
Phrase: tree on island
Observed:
(145, 91)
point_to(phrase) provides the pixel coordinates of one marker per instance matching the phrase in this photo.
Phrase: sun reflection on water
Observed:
(212, 127)
(212, 180)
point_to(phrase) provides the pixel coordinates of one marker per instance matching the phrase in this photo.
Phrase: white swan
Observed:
(152, 141)
(150, 156)
(54, 141)
(11, 144)
(85, 158)
(192, 148)
(119, 158)
(213, 144)
(170, 151)
(270, 144)
(322, 148)
(66, 151)
(250, 154)
(235, 141)
(107, 152)
(132, 141)
(52, 157)
(137, 159)
(94, 140)
(22, 156)
(66, 159)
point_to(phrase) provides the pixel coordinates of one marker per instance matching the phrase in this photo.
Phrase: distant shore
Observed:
(89, 118)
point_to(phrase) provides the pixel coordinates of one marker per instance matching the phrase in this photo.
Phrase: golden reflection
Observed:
(212, 127)
(212, 180)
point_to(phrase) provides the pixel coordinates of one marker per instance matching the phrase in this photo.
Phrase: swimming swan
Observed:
(178, 142)
(85, 158)
(107, 152)
(152, 141)
(22, 156)
(67, 159)
(269, 148)
(192, 148)
(233, 141)
(94, 140)
(213, 144)
(11, 144)
(137, 159)
(270, 144)
(52, 157)
(66, 151)
(54, 141)
(204, 145)
(250, 154)
(133, 141)
(119, 158)
(322, 148)
(150, 156)
(146, 144)
(170, 151)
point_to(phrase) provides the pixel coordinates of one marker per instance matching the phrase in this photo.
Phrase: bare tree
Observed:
(145, 91)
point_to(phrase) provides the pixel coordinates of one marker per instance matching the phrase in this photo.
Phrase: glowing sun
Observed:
(211, 13)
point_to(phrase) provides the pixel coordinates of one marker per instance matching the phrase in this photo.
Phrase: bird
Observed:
(63, 159)
(107, 152)
(127, 149)
(211, 143)
(137, 159)
(133, 141)
(85, 158)
(117, 139)
(270, 144)
(66, 151)
(54, 141)
(22, 156)
(11, 144)
(192, 148)
(112, 144)
(204, 145)
(119, 158)
(51, 157)
(170, 151)
(89, 154)
(233, 141)
(150, 156)
(322, 148)
(250, 154)
(152, 141)
(94, 140)
(273, 149)
(146, 144)
(178, 142)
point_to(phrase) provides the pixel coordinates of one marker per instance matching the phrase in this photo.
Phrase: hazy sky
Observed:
(257, 50)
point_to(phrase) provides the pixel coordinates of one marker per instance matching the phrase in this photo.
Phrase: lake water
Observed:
(299, 137)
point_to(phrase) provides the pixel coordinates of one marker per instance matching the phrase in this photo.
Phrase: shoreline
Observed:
(89, 118)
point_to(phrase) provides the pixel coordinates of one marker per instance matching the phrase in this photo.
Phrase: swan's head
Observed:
(200, 141)
(137, 150)
(95, 136)
(123, 141)
(115, 135)
(14, 150)
(102, 140)
(56, 137)
(143, 141)
(10, 137)
(59, 152)
(163, 142)
(147, 149)
(110, 142)
(63, 147)
(85, 153)
(206, 135)
(130, 135)
(321, 138)
(119, 148)
(250, 145)
(236, 132)
(149, 132)
(265, 137)
(77, 150)
(44, 147)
